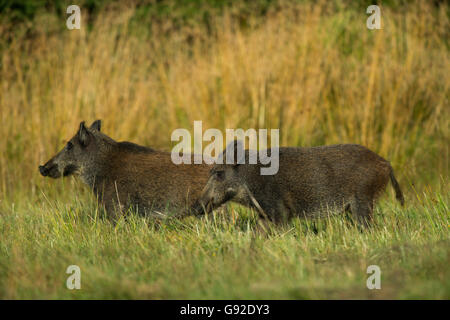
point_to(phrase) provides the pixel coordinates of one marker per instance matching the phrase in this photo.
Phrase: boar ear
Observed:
(83, 135)
(234, 153)
(96, 125)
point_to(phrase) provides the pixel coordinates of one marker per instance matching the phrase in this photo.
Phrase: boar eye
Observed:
(69, 145)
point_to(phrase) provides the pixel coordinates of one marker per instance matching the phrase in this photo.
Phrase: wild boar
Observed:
(310, 182)
(125, 175)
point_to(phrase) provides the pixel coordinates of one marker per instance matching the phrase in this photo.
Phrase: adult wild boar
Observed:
(310, 182)
(124, 174)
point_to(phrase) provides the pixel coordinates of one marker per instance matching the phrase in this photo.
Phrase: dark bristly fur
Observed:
(309, 182)
(124, 174)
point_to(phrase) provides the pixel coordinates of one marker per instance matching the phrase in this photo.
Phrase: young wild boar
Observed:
(124, 175)
(309, 181)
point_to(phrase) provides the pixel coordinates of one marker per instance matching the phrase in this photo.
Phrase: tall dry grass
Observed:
(313, 71)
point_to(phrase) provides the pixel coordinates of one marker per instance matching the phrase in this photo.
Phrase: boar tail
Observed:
(398, 191)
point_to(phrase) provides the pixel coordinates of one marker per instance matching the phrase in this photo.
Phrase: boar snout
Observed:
(198, 209)
(50, 169)
(204, 205)
(43, 170)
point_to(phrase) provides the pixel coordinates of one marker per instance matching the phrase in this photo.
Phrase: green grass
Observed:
(221, 256)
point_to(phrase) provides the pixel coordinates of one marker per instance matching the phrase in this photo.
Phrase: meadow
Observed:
(312, 70)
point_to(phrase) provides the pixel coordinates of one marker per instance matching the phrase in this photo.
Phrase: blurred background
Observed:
(310, 68)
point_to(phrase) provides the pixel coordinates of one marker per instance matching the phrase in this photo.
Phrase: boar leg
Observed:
(113, 211)
(362, 210)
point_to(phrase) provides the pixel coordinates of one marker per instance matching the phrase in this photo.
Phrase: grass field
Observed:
(222, 258)
(313, 70)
